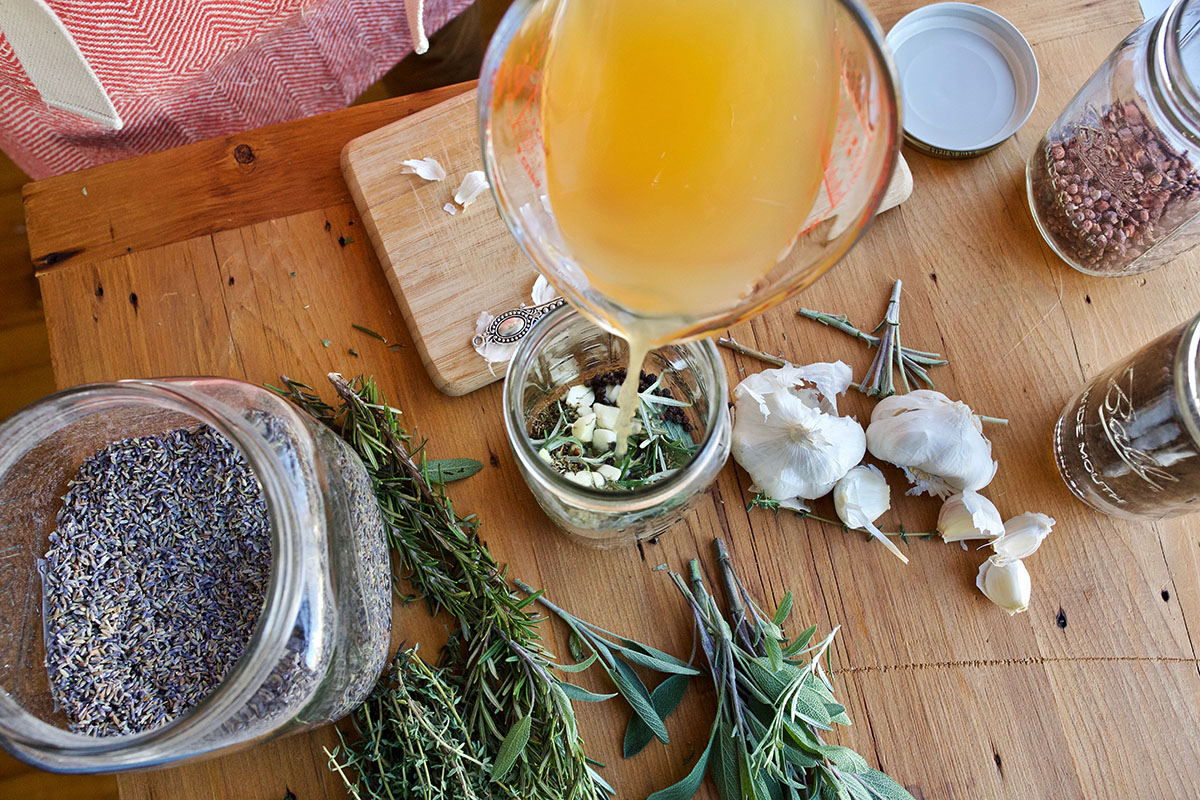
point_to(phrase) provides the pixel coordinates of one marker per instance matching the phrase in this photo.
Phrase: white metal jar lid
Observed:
(968, 78)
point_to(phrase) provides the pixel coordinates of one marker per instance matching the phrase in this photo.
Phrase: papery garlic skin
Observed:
(1023, 535)
(969, 515)
(861, 497)
(1006, 583)
(787, 433)
(938, 442)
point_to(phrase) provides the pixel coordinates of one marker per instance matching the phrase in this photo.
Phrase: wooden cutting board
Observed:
(446, 269)
(443, 269)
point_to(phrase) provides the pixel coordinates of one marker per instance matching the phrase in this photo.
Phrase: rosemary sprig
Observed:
(512, 705)
(880, 378)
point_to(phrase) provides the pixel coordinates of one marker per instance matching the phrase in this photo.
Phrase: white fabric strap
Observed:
(52, 60)
(415, 11)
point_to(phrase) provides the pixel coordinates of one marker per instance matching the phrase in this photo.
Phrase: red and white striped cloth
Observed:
(179, 71)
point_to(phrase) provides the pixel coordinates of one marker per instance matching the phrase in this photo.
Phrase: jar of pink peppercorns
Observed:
(1114, 185)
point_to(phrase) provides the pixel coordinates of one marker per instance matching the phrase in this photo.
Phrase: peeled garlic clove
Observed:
(473, 184)
(606, 416)
(597, 479)
(584, 427)
(579, 397)
(545, 456)
(1023, 535)
(1006, 583)
(609, 472)
(860, 498)
(938, 442)
(969, 515)
(427, 168)
(581, 478)
(603, 439)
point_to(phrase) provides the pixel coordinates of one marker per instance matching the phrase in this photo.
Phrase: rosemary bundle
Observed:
(511, 706)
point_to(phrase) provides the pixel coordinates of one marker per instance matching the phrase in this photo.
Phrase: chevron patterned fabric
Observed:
(179, 71)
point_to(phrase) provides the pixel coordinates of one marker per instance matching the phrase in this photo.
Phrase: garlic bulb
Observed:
(860, 498)
(969, 515)
(1023, 535)
(1006, 583)
(938, 442)
(787, 433)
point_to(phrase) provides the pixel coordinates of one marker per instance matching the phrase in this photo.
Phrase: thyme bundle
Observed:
(510, 703)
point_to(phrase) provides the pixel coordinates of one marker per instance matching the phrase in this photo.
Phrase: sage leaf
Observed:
(785, 608)
(445, 470)
(665, 698)
(670, 664)
(579, 693)
(657, 655)
(638, 696)
(575, 645)
(724, 767)
(774, 652)
(882, 786)
(511, 748)
(580, 667)
(686, 788)
(845, 759)
(800, 642)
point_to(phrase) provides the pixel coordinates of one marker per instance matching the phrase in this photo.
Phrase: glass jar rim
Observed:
(282, 599)
(1176, 88)
(586, 496)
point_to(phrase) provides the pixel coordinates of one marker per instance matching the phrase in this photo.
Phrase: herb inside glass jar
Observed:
(576, 436)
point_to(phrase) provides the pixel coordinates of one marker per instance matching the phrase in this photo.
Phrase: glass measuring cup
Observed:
(855, 165)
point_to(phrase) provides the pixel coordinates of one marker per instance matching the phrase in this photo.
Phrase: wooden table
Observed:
(182, 263)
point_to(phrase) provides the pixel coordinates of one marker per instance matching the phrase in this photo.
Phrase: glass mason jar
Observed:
(1129, 443)
(1114, 185)
(564, 349)
(322, 635)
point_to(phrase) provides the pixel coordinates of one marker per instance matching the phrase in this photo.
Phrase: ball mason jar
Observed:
(322, 635)
(565, 348)
(1113, 185)
(1129, 443)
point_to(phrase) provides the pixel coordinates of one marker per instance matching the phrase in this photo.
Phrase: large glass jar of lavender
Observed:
(186, 565)
(1114, 185)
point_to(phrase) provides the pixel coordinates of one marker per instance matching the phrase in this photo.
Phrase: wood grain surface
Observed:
(444, 269)
(1094, 693)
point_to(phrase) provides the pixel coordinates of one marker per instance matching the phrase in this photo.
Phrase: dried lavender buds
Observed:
(153, 580)
(1112, 189)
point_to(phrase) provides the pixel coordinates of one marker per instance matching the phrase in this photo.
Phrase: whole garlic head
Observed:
(969, 515)
(1006, 583)
(787, 433)
(938, 442)
(1023, 535)
(860, 498)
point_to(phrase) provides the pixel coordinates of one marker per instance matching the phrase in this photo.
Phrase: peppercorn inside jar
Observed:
(188, 566)
(1114, 186)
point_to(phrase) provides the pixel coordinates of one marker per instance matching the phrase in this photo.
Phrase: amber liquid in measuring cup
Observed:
(685, 147)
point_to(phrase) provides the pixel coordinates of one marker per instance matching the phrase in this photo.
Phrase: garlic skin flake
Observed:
(427, 168)
(1006, 583)
(969, 515)
(787, 433)
(1023, 535)
(938, 442)
(860, 498)
(473, 184)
